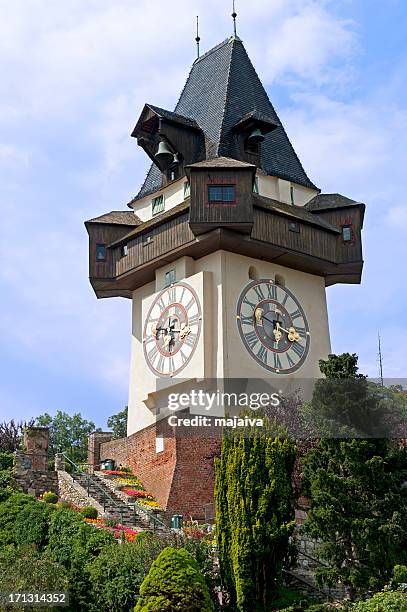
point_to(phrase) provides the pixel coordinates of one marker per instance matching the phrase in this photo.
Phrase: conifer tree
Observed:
(255, 517)
(358, 500)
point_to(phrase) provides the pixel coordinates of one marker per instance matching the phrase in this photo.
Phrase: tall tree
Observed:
(358, 501)
(255, 516)
(68, 434)
(11, 434)
(118, 423)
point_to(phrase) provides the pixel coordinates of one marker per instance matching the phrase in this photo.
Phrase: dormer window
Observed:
(158, 205)
(222, 194)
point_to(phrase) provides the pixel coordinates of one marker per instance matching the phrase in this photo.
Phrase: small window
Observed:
(169, 278)
(158, 205)
(147, 239)
(347, 233)
(159, 443)
(256, 185)
(100, 252)
(187, 190)
(124, 250)
(222, 193)
(294, 227)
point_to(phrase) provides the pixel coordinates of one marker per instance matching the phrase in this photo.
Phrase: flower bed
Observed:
(130, 485)
(118, 531)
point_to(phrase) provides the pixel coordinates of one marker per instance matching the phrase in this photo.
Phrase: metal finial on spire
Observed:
(234, 15)
(198, 38)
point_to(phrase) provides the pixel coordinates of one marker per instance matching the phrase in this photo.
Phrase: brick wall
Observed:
(181, 477)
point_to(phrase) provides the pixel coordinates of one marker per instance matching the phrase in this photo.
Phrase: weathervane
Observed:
(234, 15)
(198, 38)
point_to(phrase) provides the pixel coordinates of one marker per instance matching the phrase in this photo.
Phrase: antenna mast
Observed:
(380, 361)
(198, 38)
(234, 15)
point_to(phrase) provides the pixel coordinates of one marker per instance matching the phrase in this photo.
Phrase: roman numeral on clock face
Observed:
(251, 339)
(277, 361)
(298, 349)
(262, 354)
(172, 294)
(296, 314)
(259, 292)
(272, 291)
(193, 320)
(246, 320)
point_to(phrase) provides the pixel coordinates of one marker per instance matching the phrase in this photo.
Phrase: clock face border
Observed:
(266, 366)
(148, 322)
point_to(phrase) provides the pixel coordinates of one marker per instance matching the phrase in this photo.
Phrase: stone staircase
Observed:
(114, 507)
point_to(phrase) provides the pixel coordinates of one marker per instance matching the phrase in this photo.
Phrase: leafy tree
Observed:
(174, 582)
(118, 423)
(68, 434)
(6, 469)
(358, 507)
(255, 516)
(11, 434)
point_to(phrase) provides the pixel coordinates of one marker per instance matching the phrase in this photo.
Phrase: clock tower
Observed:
(225, 254)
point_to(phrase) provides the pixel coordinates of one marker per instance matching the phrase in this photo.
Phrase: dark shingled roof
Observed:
(222, 88)
(171, 116)
(157, 220)
(326, 201)
(221, 162)
(117, 217)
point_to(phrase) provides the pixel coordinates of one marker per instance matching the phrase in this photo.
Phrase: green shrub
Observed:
(5, 493)
(117, 573)
(64, 527)
(6, 478)
(9, 511)
(174, 582)
(27, 570)
(32, 525)
(6, 461)
(385, 601)
(400, 574)
(89, 512)
(50, 497)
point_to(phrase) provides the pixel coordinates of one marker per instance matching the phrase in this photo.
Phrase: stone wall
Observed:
(33, 481)
(181, 477)
(72, 492)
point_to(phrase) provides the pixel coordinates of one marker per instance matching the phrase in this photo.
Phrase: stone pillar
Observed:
(36, 447)
(95, 440)
(60, 463)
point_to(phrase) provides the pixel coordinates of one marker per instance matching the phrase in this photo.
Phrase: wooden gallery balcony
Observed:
(322, 238)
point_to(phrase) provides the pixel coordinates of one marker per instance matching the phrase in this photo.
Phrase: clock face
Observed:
(273, 326)
(172, 329)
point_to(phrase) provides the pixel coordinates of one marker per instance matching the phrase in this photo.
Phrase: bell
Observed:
(163, 154)
(175, 161)
(255, 137)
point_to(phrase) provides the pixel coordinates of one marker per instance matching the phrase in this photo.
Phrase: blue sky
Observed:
(75, 76)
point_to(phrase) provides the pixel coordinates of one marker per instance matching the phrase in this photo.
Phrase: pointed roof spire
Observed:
(221, 90)
(234, 15)
(198, 38)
